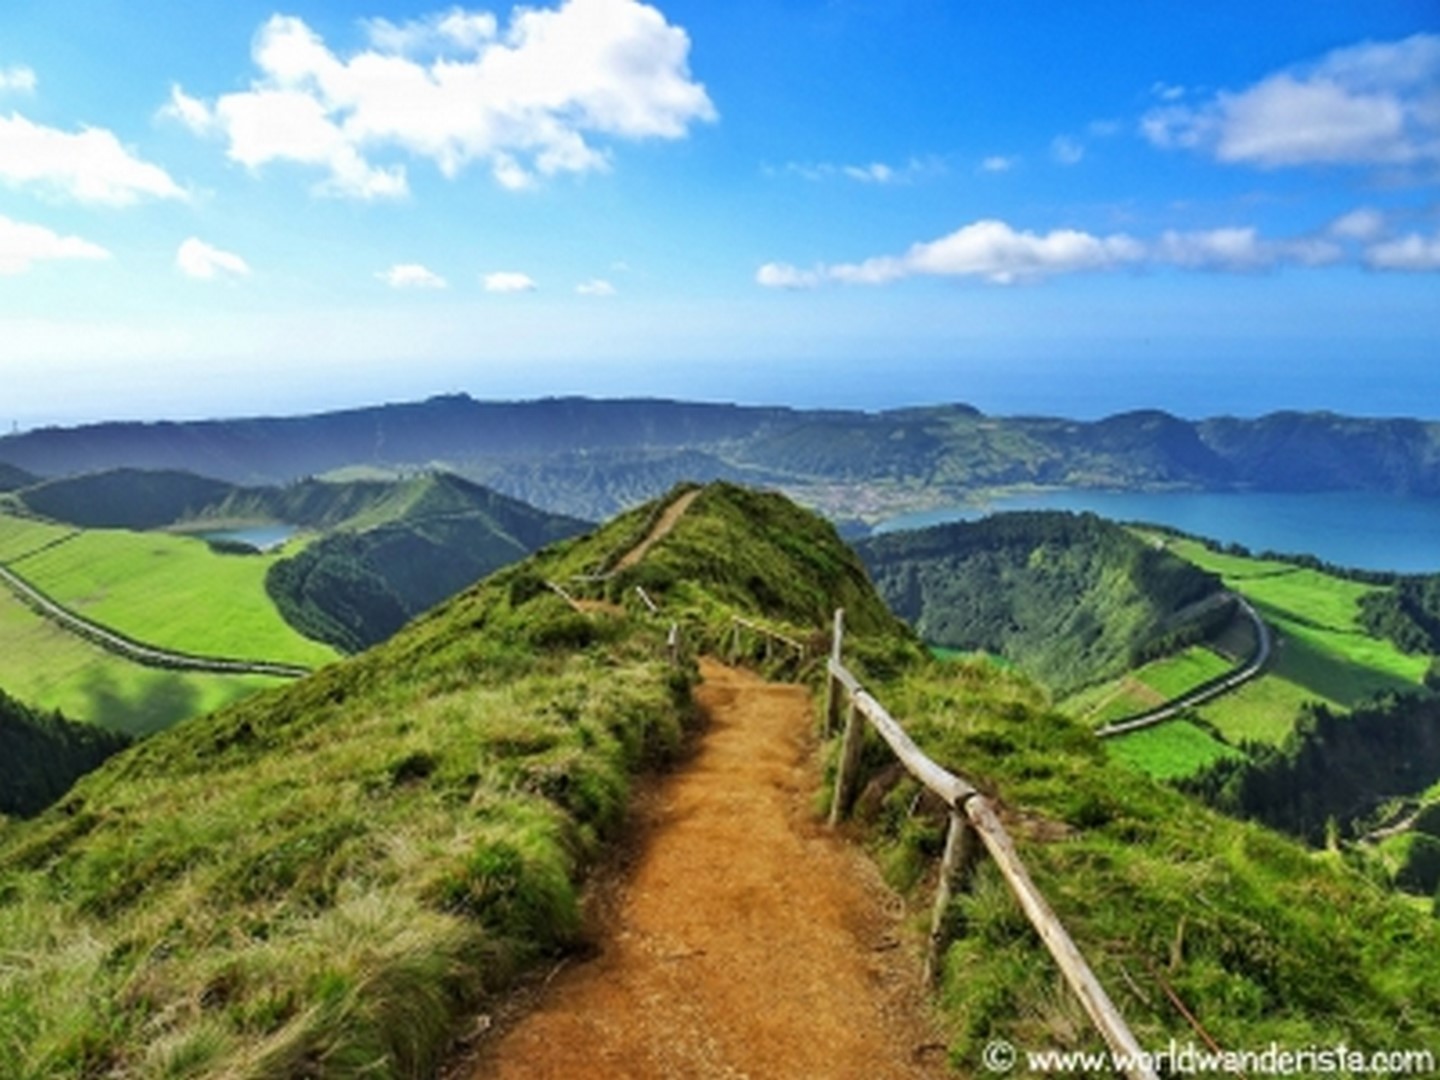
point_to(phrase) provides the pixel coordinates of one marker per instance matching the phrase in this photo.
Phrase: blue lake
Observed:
(263, 537)
(1356, 529)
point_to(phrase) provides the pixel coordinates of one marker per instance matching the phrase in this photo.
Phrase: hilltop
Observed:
(591, 458)
(328, 877)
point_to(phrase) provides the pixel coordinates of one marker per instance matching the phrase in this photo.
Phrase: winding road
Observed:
(1208, 692)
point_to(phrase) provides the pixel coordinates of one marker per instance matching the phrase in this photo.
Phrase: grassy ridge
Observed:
(53, 669)
(325, 879)
(170, 591)
(1260, 938)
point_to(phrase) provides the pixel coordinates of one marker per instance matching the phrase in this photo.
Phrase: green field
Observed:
(51, 668)
(1321, 653)
(1146, 687)
(1170, 750)
(170, 591)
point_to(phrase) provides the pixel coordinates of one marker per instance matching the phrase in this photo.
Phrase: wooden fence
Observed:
(974, 826)
(771, 642)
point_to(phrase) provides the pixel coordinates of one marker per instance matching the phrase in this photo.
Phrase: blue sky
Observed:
(238, 208)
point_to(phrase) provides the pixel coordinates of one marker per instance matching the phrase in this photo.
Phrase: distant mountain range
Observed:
(589, 458)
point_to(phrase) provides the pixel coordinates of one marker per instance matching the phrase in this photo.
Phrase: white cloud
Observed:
(996, 252)
(439, 33)
(191, 112)
(784, 276)
(1067, 151)
(89, 166)
(595, 287)
(412, 276)
(22, 245)
(1166, 92)
(1369, 104)
(1364, 223)
(453, 88)
(19, 79)
(1414, 253)
(990, 249)
(199, 260)
(998, 163)
(875, 172)
(509, 281)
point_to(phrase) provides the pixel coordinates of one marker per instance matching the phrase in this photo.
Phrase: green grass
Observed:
(1263, 710)
(1146, 687)
(1321, 652)
(1260, 938)
(170, 591)
(1173, 676)
(326, 880)
(1104, 702)
(51, 668)
(1170, 750)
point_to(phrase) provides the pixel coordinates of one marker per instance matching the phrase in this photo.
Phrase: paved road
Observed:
(1238, 677)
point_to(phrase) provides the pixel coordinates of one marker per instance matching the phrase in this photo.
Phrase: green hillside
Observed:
(123, 498)
(12, 478)
(400, 549)
(327, 879)
(1071, 599)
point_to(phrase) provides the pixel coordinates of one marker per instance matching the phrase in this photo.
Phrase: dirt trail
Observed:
(662, 528)
(744, 940)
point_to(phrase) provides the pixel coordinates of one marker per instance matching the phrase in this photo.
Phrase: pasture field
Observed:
(1321, 654)
(170, 591)
(1172, 676)
(1170, 750)
(51, 668)
(1146, 687)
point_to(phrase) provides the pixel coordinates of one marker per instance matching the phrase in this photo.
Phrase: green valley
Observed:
(172, 591)
(51, 668)
(333, 877)
(373, 555)
(1070, 599)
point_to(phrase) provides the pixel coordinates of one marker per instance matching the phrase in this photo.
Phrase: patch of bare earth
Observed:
(744, 940)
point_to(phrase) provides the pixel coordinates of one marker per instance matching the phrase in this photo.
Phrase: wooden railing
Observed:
(771, 640)
(974, 826)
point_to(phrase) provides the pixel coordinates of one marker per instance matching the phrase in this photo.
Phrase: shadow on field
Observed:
(160, 700)
(1328, 675)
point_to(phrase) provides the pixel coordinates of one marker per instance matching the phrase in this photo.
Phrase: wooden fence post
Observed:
(962, 848)
(850, 748)
(832, 684)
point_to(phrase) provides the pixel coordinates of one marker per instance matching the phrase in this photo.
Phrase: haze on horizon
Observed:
(261, 208)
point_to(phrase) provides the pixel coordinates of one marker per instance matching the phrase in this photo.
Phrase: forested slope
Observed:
(1071, 599)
